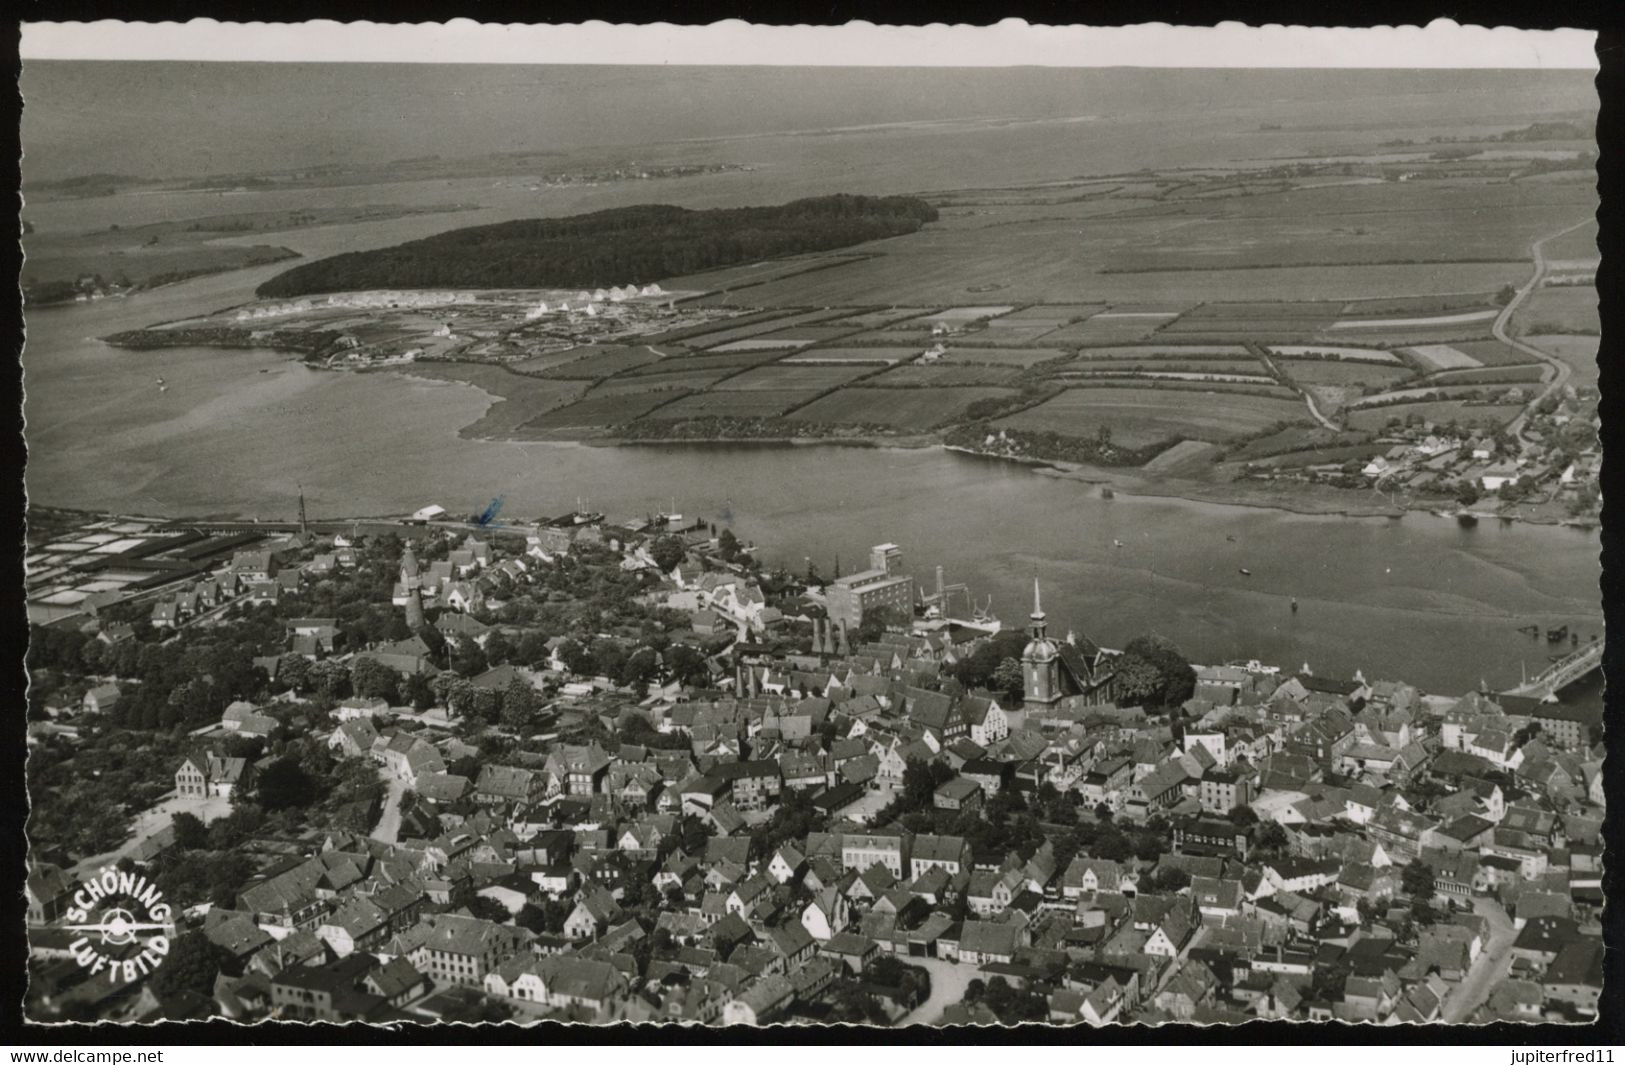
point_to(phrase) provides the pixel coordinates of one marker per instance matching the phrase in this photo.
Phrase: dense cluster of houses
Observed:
(1331, 848)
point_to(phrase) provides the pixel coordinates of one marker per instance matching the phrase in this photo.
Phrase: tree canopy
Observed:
(613, 247)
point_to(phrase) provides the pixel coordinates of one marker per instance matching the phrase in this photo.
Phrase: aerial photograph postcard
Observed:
(733, 525)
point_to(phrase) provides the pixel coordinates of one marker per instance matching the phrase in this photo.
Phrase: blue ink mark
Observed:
(489, 515)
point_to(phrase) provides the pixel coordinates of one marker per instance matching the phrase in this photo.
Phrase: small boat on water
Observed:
(1294, 604)
(1245, 572)
(1232, 539)
(1117, 543)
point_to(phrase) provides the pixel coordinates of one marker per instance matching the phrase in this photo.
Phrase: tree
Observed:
(487, 909)
(190, 833)
(467, 659)
(498, 648)
(518, 704)
(192, 964)
(371, 679)
(1135, 681)
(639, 668)
(1008, 679)
(728, 546)
(687, 664)
(285, 784)
(1272, 837)
(1176, 678)
(668, 552)
(1417, 880)
(418, 692)
(1243, 816)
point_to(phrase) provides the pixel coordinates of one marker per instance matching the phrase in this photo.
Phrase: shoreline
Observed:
(1308, 501)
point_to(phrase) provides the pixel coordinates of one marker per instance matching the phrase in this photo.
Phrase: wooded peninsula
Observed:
(627, 244)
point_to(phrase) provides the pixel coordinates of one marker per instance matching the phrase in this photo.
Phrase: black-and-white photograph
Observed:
(740, 525)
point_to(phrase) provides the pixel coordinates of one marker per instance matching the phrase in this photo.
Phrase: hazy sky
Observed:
(1441, 44)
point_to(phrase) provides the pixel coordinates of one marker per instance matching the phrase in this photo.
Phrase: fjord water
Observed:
(1420, 599)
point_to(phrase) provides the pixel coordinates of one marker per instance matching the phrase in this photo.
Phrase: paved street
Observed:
(1562, 370)
(1490, 967)
(389, 823)
(948, 983)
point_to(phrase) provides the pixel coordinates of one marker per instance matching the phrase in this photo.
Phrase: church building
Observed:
(1074, 670)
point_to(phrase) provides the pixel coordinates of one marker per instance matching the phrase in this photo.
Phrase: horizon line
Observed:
(1009, 44)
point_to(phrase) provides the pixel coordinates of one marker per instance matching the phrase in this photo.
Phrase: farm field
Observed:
(727, 334)
(1139, 417)
(735, 277)
(1580, 352)
(757, 404)
(997, 333)
(876, 319)
(1493, 353)
(757, 344)
(1558, 309)
(937, 374)
(694, 363)
(537, 364)
(664, 382)
(956, 315)
(1441, 357)
(1366, 354)
(1061, 313)
(1215, 375)
(809, 334)
(1336, 372)
(1343, 235)
(1425, 321)
(518, 397)
(1438, 412)
(1098, 330)
(1197, 329)
(1578, 246)
(604, 362)
(1303, 309)
(1023, 357)
(1166, 351)
(914, 408)
(1416, 305)
(1184, 455)
(598, 411)
(780, 376)
(1527, 373)
(1295, 439)
(838, 354)
(1248, 367)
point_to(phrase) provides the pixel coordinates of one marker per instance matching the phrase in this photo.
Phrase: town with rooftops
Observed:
(594, 770)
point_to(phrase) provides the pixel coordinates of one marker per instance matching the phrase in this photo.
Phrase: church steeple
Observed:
(1040, 667)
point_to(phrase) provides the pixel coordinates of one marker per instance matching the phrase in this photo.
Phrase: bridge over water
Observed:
(1560, 674)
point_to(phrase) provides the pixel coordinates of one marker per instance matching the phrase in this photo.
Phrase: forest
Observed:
(624, 245)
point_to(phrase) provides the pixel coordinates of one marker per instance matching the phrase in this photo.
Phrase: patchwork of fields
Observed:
(903, 409)
(1139, 417)
(1201, 306)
